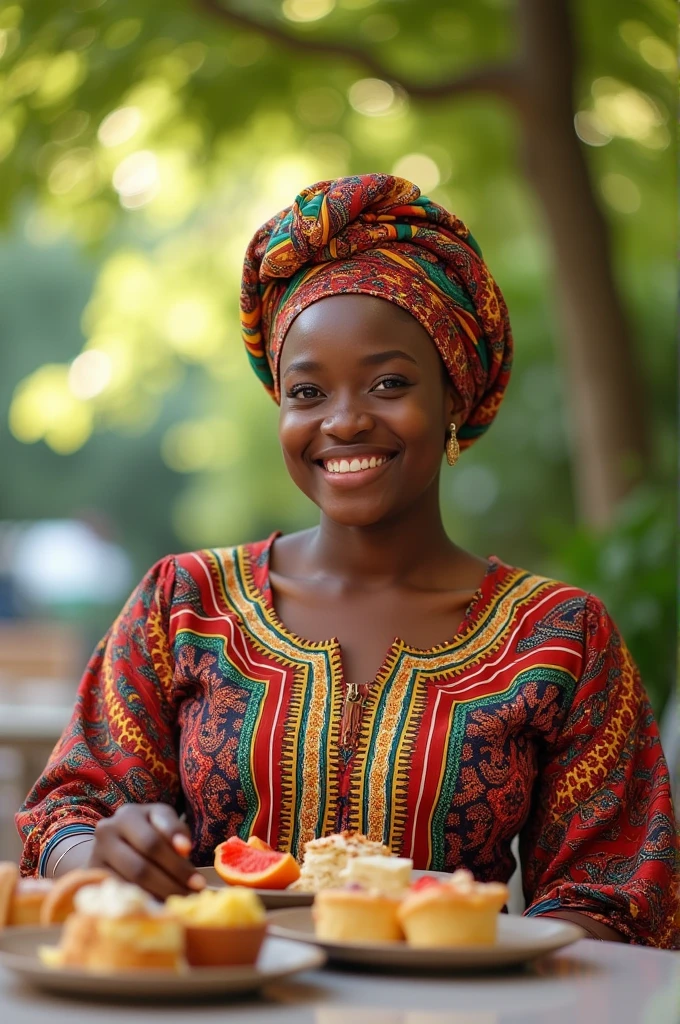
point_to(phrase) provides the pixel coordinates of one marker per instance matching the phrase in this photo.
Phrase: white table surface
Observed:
(588, 983)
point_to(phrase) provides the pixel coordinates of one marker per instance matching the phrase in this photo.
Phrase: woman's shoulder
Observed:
(547, 602)
(194, 561)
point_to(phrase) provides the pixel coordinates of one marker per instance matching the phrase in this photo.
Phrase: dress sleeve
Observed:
(120, 745)
(601, 838)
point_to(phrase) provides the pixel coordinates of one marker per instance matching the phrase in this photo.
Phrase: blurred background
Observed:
(141, 145)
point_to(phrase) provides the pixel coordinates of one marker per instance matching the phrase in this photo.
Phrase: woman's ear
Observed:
(454, 408)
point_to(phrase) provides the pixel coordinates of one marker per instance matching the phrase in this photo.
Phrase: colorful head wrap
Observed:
(374, 234)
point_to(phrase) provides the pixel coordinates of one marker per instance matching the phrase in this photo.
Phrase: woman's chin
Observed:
(355, 514)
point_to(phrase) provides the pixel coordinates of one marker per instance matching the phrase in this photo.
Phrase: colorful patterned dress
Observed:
(532, 720)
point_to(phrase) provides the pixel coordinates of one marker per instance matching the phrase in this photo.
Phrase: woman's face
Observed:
(365, 407)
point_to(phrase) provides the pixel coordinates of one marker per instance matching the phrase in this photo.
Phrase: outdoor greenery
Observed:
(142, 144)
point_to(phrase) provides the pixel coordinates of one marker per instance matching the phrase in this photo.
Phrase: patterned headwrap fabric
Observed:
(375, 234)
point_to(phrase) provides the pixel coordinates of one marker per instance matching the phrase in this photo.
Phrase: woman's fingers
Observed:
(156, 847)
(131, 866)
(140, 843)
(166, 821)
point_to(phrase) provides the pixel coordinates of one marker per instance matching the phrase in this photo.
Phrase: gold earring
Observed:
(452, 446)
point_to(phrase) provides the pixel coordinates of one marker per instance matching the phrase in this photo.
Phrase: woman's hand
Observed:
(147, 844)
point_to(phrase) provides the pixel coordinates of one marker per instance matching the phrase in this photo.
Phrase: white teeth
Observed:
(355, 466)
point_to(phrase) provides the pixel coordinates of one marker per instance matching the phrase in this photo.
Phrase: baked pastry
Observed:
(456, 912)
(326, 859)
(20, 898)
(117, 927)
(223, 927)
(390, 876)
(59, 901)
(356, 915)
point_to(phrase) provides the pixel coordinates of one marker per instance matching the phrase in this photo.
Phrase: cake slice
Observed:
(390, 876)
(325, 859)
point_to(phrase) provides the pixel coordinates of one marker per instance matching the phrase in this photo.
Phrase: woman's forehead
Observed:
(354, 324)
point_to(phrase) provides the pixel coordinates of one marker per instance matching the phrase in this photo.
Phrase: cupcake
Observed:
(20, 898)
(354, 914)
(223, 927)
(457, 912)
(59, 901)
(117, 927)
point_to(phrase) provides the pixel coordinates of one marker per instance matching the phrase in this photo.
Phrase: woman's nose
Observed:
(347, 419)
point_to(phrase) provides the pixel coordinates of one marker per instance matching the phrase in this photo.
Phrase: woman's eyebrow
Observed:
(382, 357)
(372, 359)
(302, 366)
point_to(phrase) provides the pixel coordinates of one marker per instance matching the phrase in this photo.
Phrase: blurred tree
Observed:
(158, 138)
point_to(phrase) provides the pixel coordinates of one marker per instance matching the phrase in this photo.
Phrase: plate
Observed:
(277, 899)
(272, 898)
(278, 958)
(520, 939)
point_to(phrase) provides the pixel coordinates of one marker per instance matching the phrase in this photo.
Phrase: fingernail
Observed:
(196, 881)
(158, 822)
(181, 843)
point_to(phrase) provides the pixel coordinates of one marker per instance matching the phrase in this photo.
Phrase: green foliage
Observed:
(155, 138)
(632, 567)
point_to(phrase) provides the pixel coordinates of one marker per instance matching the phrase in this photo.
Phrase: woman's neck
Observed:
(385, 552)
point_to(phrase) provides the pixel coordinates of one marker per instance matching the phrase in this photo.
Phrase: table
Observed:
(588, 983)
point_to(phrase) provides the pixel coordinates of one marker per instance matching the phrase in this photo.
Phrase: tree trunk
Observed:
(609, 434)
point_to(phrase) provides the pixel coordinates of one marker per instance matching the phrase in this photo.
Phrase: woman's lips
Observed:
(354, 472)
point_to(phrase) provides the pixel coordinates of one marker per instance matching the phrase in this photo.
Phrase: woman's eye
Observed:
(304, 391)
(389, 383)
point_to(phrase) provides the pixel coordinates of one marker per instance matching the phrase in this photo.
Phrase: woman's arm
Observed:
(594, 929)
(119, 746)
(67, 854)
(601, 840)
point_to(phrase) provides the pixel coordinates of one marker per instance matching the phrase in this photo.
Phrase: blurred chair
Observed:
(40, 663)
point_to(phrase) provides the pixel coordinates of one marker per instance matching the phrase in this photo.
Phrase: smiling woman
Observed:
(369, 673)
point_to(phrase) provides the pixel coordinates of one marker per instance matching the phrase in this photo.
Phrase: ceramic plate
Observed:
(278, 959)
(520, 939)
(276, 899)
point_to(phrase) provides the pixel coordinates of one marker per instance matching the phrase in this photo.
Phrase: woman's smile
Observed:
(354, 470)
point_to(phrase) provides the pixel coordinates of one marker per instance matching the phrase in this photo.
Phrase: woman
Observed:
(460, 701)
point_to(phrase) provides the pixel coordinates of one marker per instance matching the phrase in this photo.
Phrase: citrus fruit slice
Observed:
(239, 863)
(260, 844)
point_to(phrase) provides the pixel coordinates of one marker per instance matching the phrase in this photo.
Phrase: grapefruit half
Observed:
(254, 864)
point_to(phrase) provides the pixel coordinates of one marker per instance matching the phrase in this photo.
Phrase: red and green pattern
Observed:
(374, 234)
(532, 720)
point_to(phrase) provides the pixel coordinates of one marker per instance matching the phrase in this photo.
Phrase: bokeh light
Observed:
(306, 10)
(621, 193)
(119, 126)
(136, 179)
(419, 168)
(89, 374)
(372, 97)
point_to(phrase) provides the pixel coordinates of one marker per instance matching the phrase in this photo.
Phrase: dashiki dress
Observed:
(532, 720)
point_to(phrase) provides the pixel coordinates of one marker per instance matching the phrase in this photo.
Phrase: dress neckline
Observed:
(257, 565)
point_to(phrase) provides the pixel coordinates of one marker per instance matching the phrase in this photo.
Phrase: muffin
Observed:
(223, 927)
(354, 914)
(457, 912)
(20, 898)
(117, 927)
(59, 901)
